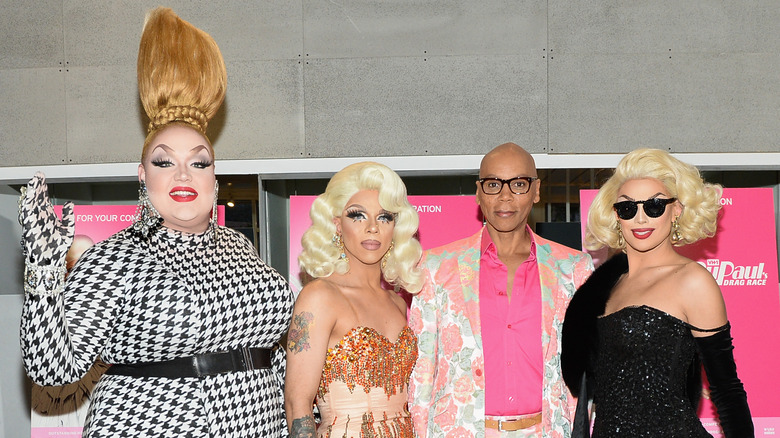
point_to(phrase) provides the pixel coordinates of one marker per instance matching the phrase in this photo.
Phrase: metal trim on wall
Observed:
(262, 212)
(305, 168)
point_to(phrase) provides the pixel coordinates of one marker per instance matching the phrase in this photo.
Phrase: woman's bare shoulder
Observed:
(696, 278)
(321, 295)
(701, 296)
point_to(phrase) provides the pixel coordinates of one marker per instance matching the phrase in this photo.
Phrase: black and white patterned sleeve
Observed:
(62, 334)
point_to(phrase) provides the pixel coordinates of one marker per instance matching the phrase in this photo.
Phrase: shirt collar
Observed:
(488, 247)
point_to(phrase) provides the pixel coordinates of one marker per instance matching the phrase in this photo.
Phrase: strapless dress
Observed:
(363, 388)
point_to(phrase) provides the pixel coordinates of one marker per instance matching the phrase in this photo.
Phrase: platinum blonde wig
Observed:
(700, 201)
(320, 258)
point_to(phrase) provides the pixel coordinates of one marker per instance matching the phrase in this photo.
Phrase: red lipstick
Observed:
(183, 194)
(642, 233)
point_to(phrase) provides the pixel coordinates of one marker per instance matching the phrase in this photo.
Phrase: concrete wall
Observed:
(317, 78)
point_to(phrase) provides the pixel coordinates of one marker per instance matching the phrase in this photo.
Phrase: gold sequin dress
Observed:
(362, 391)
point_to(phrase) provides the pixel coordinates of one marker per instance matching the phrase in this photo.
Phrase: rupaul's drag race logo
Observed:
(728, 274)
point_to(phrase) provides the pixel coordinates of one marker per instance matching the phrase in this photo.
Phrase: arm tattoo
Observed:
(303, 427)
(298, 337)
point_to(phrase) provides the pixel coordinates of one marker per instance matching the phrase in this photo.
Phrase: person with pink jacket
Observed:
(489, 318)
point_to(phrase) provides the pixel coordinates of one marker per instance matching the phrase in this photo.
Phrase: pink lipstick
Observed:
(371, 245)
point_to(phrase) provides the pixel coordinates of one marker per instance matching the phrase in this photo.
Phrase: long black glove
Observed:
(726, 390)
(581, 426)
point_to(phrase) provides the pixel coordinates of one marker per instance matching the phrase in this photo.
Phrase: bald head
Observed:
(506, 212)
(507, 153)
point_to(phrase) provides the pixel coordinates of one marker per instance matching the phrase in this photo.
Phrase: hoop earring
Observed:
(676, 235)
(147, 219)
(339, 243)
(387, 255)
(621, 241)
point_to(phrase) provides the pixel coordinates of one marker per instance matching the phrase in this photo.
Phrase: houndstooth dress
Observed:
(132, 300)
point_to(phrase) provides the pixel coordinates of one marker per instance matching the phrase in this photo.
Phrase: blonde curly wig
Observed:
(320, 258)
(181, 75)
(700, 201)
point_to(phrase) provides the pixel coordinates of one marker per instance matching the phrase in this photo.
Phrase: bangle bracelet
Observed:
(44, 280)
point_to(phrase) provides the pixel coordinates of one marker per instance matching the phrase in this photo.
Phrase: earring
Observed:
(213, 220)
(147, 219)
(676, 236)
(621, 241)
(339, 243)
(387, 255)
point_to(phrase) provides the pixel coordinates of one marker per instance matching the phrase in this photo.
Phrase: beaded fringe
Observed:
(397, 428)
(366, 358)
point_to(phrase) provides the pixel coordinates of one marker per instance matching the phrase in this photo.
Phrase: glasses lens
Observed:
(491, 186)
(625, 209)
(519, 186)
(655, 207)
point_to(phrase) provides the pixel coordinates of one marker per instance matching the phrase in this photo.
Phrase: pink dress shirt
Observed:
(511, 333)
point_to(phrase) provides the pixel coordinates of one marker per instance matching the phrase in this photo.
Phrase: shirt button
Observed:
(509, 363)
(509, 326)
(478, 373)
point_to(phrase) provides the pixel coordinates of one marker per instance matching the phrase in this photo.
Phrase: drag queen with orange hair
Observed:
(184, 310)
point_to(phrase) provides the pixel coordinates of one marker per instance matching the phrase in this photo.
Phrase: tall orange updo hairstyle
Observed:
(181, 74)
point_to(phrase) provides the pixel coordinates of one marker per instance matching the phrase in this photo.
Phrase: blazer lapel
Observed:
(548, 279)
(468, 267)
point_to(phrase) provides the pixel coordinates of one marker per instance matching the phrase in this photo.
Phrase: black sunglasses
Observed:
(654, 207)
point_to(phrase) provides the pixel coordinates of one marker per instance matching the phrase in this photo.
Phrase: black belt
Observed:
(201, 365)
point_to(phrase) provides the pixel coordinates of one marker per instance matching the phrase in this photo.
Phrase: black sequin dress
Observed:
(641, 374)
(129, 300)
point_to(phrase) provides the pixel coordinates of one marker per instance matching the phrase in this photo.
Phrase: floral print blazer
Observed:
(447, 388)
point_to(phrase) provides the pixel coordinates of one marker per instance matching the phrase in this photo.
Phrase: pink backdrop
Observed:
(101, 221)
(443, 219)
(743, 259)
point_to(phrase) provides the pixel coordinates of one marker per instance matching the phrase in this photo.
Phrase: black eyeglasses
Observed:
(653, 207)
(518, 186)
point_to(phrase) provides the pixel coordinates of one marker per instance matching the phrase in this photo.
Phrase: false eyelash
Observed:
(160, 162)
(355, 214)
(390, 217)
(202, 164)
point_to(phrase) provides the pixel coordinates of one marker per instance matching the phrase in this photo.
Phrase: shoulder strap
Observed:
(725, 326)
